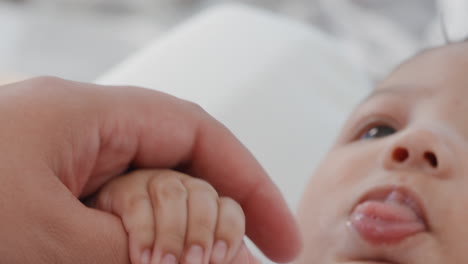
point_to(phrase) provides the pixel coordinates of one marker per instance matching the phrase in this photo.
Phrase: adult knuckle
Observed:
(37, 85)
(46, 81)
(195, 107)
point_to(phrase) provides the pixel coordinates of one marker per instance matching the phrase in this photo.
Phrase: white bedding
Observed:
(282, 87)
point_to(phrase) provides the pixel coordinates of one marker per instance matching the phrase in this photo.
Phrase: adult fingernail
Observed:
(219, 252)
(194, 255)
(145, 257)
(169, 259)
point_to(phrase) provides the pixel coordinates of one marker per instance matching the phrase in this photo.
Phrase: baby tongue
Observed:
(386, 221)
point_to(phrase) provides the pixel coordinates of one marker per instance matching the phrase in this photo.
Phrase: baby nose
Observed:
(418, 150)
(401, 154)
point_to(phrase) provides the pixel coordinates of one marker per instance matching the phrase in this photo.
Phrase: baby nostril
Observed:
(431, 158)
(400, 154)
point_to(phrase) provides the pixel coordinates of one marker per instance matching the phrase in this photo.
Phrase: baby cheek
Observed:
(328, 185)
(313, 204)
(313, 216)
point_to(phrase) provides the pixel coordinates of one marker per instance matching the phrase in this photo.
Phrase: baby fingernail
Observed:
(145, 257)
(257, 261)
(219, 252)
(169, 259)
(194, 255)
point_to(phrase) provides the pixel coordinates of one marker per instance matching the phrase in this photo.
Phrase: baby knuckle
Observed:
(102, 201)
(204, 224)
(234, 216)
(143, 228)
(235, 226)
(168, 189)
(234, 206)
(131, 203)
(200, 186)
(174, 239)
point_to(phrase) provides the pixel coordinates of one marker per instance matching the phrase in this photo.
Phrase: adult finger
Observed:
(43, 223)
(88, 134)
(191, 139)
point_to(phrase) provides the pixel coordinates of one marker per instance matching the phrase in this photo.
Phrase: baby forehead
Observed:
(415, 93)
(442, 64)
(453, 52)
(441, 71)
(429, 100)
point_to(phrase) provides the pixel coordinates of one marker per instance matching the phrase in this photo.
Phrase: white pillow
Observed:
(282, 87)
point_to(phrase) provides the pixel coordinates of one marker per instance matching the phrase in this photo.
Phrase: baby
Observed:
(392, 189)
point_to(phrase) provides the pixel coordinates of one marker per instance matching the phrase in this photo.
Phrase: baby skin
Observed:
(394, 187)
(173, 218)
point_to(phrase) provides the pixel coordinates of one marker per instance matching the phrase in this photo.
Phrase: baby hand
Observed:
(173, 218)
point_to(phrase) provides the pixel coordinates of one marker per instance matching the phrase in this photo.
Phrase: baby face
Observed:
(394, 187)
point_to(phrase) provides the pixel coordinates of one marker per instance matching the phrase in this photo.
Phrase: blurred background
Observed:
(81, 39)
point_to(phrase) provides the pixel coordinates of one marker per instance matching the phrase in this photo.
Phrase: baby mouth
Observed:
(387, 216)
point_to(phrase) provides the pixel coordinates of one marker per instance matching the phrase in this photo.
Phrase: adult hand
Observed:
(62, 140)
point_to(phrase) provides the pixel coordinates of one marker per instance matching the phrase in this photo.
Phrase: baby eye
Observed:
(378, 131)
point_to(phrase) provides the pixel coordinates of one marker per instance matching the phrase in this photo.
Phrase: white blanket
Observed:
(282, 87)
